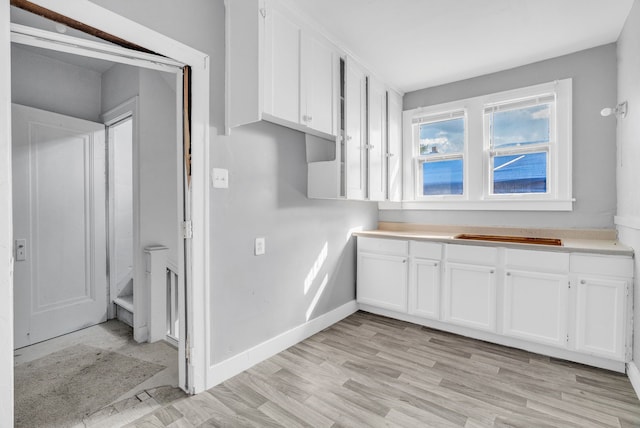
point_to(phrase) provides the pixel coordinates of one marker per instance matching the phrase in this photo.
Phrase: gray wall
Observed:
(254, 298)
(594, 180)
(628, 163)
(48, 84)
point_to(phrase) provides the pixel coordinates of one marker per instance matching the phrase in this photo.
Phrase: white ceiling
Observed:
(414, 44)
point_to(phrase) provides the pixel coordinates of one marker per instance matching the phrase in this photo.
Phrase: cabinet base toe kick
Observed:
(485, 336)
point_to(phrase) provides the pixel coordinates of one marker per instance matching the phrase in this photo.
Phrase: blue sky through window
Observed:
(521, 126)
(446, 136)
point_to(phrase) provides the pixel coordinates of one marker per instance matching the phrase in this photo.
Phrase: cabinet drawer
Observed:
(425, 250)
(602, 265)
(383, 246)
(546, 261)
(472, 254)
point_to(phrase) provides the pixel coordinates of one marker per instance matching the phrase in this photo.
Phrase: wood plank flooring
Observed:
(372, 371)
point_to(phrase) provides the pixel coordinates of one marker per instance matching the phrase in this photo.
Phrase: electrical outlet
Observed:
(260, 248)
(220, 178)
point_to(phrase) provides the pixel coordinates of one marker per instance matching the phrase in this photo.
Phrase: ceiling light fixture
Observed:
(620, 110)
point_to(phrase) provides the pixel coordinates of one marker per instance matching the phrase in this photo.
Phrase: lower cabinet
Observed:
(424, 288)
(577, 302)
(470, 296)
(600, 316)
(535, 306)
(382, 274)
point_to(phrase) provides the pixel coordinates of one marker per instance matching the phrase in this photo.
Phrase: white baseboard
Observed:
(634, 376)
(230, 367)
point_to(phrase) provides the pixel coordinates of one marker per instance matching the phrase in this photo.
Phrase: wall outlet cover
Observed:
(220, 178)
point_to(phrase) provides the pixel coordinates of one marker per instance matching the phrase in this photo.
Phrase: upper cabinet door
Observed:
(320, 74)
(394, 146)
(377, 146)
(355, 119)
(282, 60)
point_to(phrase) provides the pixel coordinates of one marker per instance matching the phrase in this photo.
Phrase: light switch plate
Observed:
(220, 178)
(21, 250)
(260, 248)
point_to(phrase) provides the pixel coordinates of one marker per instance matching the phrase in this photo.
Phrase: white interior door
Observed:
(60, 279)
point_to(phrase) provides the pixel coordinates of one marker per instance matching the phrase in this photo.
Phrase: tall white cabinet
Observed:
(355, 114)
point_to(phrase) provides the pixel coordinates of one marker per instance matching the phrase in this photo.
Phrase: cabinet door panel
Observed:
(319, 76)
(536, 307)
(600, 317)
(282, 66)
(355, 119)
(377, 146)
(470, 296)
(382, 281)
(394, 147)
(424, 288)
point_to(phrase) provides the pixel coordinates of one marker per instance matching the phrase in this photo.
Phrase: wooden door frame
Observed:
(198, 271)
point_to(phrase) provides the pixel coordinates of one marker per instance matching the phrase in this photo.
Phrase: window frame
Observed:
(419, 160)
(550, 147)
(477, 193)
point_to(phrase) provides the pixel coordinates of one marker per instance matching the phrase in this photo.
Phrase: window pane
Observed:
(521, 126)
(442, 177)
(524, 173)
(446, 136)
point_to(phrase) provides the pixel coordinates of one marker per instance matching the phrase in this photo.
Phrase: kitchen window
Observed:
(440, 154)
(520, 137)
(510, 150)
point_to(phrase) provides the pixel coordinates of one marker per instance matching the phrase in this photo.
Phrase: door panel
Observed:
(382, 281)
(59, 210)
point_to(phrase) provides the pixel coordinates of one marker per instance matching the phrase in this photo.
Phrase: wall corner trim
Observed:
(634, 376)
(230, 367)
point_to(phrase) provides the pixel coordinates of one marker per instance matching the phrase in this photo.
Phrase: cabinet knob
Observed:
(309, 118)
(582, 281)
(508, 273)
(390, 155)
(492, 271)
(348, 137)
(435, 264)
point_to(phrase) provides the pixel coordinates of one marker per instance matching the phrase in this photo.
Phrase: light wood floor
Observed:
(371, 371)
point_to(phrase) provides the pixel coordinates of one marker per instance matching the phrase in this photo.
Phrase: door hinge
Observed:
(567, 338)
(187, 229)
(187, 350)
(263, 12)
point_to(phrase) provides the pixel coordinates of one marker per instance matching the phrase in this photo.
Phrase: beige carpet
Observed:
(58, 390)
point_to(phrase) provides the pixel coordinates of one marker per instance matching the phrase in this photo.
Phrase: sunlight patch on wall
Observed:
(315, 269)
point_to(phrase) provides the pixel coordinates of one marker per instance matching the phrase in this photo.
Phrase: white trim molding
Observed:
(631, 222)
(634, 377)
(230, 367)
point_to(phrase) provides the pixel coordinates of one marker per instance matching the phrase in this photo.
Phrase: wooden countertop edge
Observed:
(570, 245)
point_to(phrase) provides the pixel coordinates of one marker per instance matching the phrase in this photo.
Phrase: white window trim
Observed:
(476, 157)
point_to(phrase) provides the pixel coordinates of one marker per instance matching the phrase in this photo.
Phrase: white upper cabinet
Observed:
(394, 146)
(355, 130)
(279, 70)
(282, 66)
(377, 141)
(321, 73)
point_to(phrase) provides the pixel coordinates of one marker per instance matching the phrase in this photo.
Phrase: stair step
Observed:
(124, 309)
(125, 302)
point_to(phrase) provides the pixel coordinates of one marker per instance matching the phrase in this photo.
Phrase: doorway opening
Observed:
(118, 215)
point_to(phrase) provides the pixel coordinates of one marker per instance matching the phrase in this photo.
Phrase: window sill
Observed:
(485, 205)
